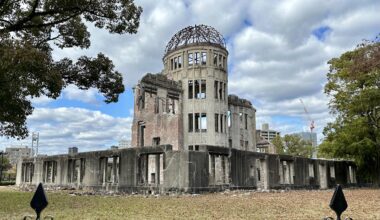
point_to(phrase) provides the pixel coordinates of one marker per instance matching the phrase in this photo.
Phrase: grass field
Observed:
(363, 204)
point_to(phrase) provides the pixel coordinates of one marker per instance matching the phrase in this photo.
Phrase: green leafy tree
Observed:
(29, 28)
(278, 145)
(5, 164)
(354, 88)
(295, 146)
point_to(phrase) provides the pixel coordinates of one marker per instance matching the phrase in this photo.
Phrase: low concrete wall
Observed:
(209, 169)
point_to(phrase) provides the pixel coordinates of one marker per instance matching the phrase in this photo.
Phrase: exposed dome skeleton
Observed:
(197, 34)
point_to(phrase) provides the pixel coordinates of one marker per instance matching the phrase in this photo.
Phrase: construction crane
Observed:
(308, 117)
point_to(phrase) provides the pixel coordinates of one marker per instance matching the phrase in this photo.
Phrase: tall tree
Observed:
(293, 145)
(354, 88)
(296, 146)
(4, 164)
(28, 28)
(278, 145)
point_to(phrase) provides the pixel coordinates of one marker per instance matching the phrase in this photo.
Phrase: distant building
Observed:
(264, 139)
(16, 153)
(266, 133)
(265, 146)
(73, 150)
(125, 143)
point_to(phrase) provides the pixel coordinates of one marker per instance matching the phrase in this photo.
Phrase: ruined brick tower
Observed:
(187, 105)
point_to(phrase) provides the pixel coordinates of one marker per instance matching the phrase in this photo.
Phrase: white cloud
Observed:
(274, 59)
(60, 128)
(72, 92)
(278, 60)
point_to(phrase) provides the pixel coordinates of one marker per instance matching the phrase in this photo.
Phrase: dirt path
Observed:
(7, 188)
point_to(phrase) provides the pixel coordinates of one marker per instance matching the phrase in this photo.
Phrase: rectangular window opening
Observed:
(190, 122)
(311, 170)
(220, 90)
(246, 121)
(229, 118)
(191, 89)
(175, 62)
(220, 60)
(197, 58)
(170, 105)
(141, 134)
(190, 59)
(215, 59)
(216, 123)
(109, 170)
(221, 123)
(204, 58)
(258, 174)
(156, 141)
(156, 105)
(224, 91)
(203, 89)
(332, 171)
(204, 122)
(216, 83)
(197, 89)
(180, 62)
(197, 121)
(196, 147)
(225, 122)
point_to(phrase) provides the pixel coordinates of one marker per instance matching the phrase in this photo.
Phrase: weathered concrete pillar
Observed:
(218, 170)
(322, 170)
(291, 172)
(19, 168)
(285, 166)
(161, 168)
(211, 160)
(265, 172)
(281, 172)
(79, 172)
(227, 170)
(38, 172)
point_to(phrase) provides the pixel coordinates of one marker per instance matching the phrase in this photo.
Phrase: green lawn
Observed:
(363, 204)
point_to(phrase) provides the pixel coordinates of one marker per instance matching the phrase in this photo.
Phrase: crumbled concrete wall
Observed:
(211, 168)
(154, 109)
(240, 136)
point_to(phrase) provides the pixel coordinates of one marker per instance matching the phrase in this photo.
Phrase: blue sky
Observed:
(278, 53)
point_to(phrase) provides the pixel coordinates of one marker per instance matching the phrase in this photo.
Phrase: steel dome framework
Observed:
(198, 34)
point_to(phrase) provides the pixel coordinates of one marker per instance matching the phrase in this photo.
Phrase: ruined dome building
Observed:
(188, 134)
(187, 105)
